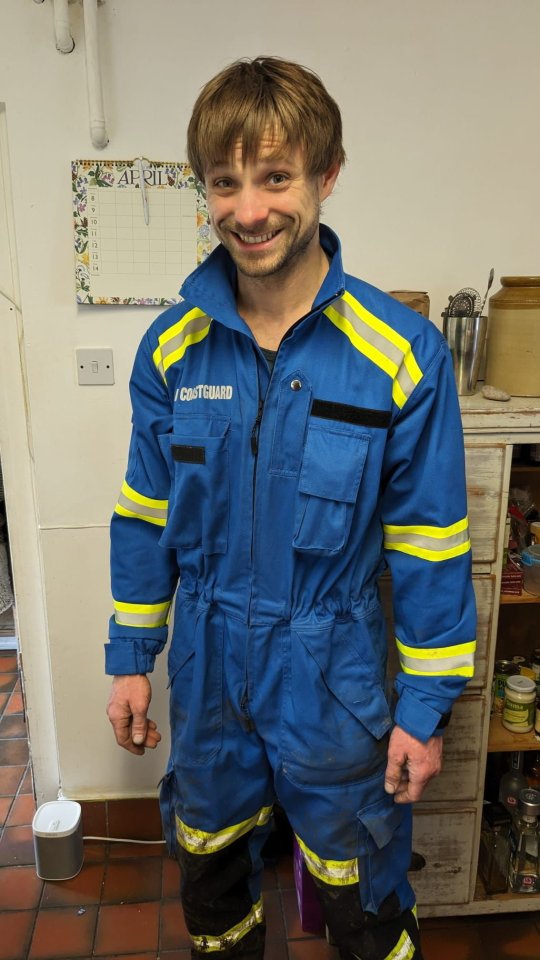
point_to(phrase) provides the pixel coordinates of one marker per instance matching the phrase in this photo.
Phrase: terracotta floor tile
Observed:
(94, 818)
(123, 851)
(133, 880)
(138, 819)
(517, 939)
(81, 890)
(22, 811)
(292, 918)
(8, 663)
(27, 786)
(126, 928)
(313, 950)
(95, 851)
(4, 697)
(270, 879)
(13, 752)
(20, 888)
(284, 870)
(275, 923)
(173, 933)
(16, 933)
(174, 954)
(276, 950)
(63, 934)
(16, 847)
(5, 804)
(10, 778)
(454, 943)
(171, 879)
(7, 682)
(15, 704)
(14, 726)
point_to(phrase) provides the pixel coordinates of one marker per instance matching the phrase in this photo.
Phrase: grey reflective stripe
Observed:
(435, 544)
(442, 665)
(156, 619)
(142, 510)
(405, 381)
(382, 344)
(176, 343)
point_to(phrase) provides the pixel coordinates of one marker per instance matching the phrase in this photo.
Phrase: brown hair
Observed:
(251, 98)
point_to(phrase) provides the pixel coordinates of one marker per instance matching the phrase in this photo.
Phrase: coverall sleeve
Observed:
(144, 574)
(427, 547)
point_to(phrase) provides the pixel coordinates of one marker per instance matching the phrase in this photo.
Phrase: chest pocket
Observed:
(198, 454)
(332, 467)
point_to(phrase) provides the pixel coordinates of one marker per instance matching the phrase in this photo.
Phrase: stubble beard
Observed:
(282, 262)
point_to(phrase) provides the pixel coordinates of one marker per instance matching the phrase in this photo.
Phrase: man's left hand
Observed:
(411, 765)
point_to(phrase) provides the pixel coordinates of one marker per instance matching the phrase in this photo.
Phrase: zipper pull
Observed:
(255, 430)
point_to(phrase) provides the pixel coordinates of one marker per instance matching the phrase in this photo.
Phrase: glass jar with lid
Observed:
(519, 704)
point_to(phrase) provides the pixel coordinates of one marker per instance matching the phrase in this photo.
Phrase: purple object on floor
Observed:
(309, 908)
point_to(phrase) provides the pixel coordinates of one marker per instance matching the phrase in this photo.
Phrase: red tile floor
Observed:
(124, 903)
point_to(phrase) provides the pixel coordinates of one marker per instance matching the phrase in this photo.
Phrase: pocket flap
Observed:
(333, 462)
(351, 680)
(381, 820)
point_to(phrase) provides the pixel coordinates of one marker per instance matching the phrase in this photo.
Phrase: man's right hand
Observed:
(127, 710)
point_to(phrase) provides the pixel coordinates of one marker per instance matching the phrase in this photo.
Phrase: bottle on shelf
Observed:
(533, 772)
(524, 862)
(512, 782)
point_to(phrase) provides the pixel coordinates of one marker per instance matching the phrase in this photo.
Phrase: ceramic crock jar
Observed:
(513, 351)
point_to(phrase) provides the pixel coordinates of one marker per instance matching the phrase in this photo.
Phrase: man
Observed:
(294, 431)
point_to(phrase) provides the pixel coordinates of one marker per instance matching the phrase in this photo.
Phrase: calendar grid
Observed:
(121, 258)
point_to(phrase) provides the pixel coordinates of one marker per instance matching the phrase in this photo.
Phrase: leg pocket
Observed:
(384, 853)
(196, 693)
(328, 486)
(335, 715)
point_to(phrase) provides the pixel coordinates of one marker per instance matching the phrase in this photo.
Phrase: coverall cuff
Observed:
(128, 657)
(418, 718)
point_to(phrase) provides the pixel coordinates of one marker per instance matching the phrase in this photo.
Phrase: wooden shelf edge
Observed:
(518, 598)
(502, 740)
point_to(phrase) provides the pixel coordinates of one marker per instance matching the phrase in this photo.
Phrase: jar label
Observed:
(522, 713)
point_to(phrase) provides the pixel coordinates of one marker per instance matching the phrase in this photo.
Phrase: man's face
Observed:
(266, 212)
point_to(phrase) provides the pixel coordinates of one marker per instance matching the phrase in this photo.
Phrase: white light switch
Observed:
(94, 367)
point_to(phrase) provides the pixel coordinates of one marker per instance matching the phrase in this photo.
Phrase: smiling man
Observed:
(295, 431)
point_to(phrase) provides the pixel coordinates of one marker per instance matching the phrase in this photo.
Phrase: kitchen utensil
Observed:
(490, 281)
(465, 303)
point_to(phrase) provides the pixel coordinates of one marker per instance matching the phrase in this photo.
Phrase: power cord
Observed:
(122, 840)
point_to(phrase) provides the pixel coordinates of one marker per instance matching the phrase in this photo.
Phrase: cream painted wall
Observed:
(439, 104)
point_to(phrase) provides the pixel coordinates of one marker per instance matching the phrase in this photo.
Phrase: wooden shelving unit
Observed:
(519, 598)
(502, 740)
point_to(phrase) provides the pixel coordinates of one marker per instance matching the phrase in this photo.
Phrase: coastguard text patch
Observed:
(205, 391)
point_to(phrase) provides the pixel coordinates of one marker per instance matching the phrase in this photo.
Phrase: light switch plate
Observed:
(94, 366)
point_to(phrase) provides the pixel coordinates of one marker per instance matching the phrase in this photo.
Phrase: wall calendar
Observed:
(140, 228)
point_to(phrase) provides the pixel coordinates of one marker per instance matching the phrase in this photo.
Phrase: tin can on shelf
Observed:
(519, 704)
(503, 670)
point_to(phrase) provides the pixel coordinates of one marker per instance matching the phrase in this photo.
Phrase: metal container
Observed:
(466, 338)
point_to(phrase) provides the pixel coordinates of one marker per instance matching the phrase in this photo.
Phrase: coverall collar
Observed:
(212, 286)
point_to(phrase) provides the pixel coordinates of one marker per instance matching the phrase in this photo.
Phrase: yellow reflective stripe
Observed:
(200, 841)
(144, 501)
(454, 661)
(210, 943)
(337, 873)
(131, 503)
(427, 542)
(379, 342)
(141, 614)
(403, 950)
(173, 342)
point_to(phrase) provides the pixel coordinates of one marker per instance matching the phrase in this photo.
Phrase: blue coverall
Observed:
(276, 501)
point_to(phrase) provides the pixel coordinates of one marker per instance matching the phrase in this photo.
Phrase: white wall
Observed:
(440, 108)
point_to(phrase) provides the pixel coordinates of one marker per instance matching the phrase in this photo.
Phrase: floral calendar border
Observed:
(106, 173)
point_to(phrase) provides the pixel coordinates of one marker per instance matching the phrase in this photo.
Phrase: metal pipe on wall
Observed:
(98, 132)
(64, 41)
